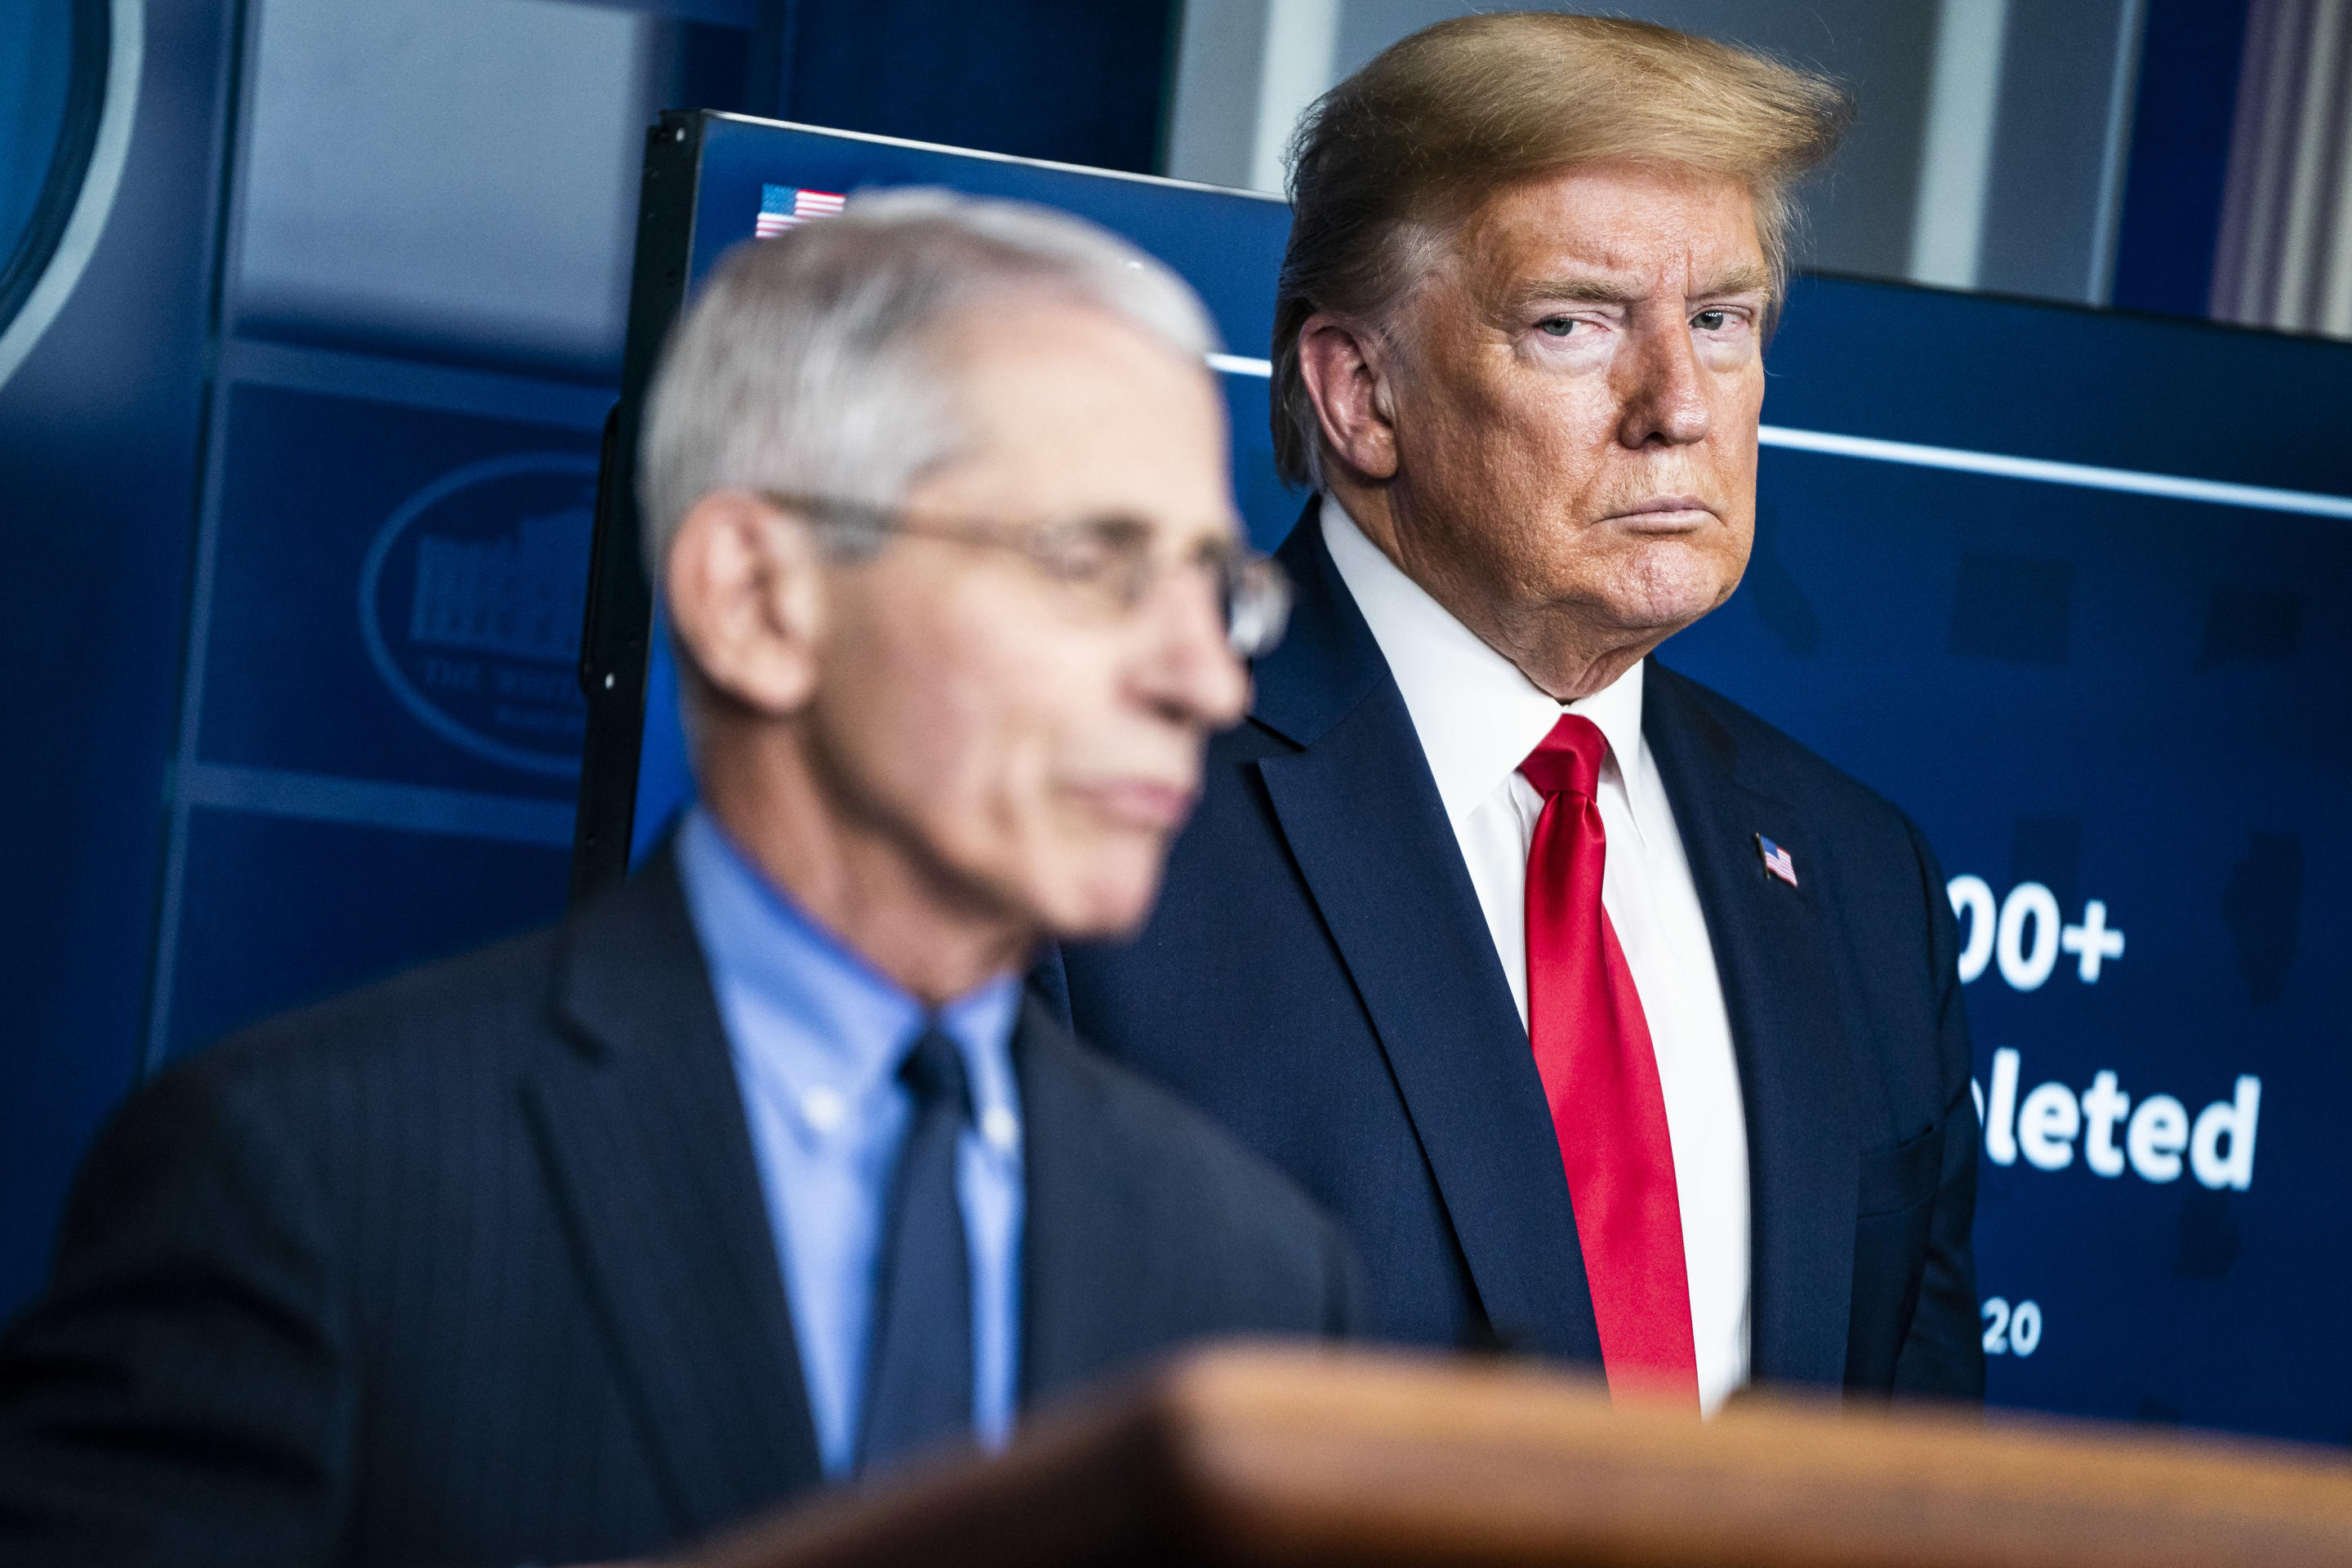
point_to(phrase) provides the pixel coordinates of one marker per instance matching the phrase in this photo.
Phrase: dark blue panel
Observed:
(2062, 382)
(2181, 121)
(1268, 506)
(663, 783)
(386, 663)
(98, 451)
(282, 911)
(397, 595)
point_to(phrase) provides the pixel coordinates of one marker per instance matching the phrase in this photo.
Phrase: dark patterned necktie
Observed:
(918, 1386)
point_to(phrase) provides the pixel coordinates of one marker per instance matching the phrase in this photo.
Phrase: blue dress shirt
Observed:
(817, 1035)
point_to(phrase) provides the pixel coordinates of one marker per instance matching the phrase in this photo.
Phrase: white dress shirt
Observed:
(1477, 717)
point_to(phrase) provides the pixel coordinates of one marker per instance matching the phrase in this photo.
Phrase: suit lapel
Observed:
(1362, 815)
(642, 1127)
(1780, 992)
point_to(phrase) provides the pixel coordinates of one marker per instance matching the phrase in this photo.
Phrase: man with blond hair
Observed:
(759, 1171)
(1617, 1025)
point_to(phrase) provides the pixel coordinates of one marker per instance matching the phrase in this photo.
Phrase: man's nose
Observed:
(1186, 666)
(1662, 391)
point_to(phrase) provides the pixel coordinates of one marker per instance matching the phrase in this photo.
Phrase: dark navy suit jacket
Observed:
(475, 1268)
(1319, 977)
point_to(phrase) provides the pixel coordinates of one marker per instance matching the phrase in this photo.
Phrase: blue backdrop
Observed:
(2075, 589)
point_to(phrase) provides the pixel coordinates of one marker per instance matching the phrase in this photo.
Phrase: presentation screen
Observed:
(2072, 588)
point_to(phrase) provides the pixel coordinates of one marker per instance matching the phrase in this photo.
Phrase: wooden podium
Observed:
(1267, 1455)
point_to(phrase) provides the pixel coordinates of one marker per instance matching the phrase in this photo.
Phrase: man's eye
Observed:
(1093, 548)
(1711, 321)
(1557, 326)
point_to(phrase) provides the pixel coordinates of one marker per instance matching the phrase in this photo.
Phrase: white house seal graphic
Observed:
(471, 603)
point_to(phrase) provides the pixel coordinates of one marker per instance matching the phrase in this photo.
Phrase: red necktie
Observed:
(1600, 1077)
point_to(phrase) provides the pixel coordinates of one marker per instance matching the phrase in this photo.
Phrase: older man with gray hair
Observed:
(759, 1170)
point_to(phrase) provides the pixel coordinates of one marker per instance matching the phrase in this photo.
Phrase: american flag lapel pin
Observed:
(1776, 860)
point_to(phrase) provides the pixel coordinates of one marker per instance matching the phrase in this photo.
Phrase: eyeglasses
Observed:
(1111, 557)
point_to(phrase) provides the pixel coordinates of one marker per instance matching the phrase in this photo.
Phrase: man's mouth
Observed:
(1140, 803)
(1666, 514)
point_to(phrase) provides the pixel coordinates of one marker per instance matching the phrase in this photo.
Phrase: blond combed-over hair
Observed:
(1390, 161)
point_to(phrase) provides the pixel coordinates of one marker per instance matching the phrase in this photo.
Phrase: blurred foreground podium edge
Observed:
(1259, 1454)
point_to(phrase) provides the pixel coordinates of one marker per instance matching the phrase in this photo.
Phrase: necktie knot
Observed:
(1568, 761)
(933, 1071)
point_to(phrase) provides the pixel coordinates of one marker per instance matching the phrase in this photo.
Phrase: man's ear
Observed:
(745, 585)
(1347, 373)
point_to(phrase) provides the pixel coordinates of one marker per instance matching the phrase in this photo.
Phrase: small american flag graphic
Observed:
(789, 206)
(1776, 860)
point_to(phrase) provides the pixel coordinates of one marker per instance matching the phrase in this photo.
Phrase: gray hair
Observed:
(808, 363)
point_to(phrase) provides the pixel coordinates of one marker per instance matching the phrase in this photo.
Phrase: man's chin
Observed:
(1667, 586)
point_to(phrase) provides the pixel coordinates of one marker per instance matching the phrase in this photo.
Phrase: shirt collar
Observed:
(1476, 714)
(851, 1024)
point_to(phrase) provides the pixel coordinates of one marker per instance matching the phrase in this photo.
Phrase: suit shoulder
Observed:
(265, 1121)
(474, 1007)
